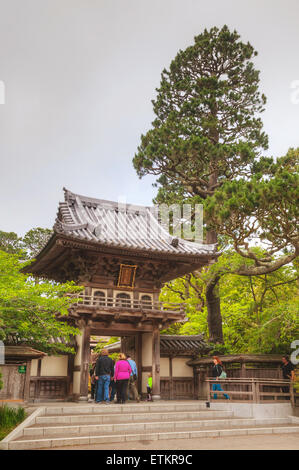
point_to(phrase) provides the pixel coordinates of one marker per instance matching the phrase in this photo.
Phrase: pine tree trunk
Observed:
(214, 311)
(212, 294)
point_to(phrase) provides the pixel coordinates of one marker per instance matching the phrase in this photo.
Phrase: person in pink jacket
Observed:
(122, 372)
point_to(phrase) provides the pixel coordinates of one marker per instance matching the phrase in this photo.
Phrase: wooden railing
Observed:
(176, 388)
(49, 387)
(254, 390)
(126, 303)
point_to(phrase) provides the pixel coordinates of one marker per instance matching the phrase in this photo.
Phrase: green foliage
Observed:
(10, 418)
(28, 246)
(32, 312)
(205, 147)
(10, 242)
(1, 381)
(207, 122)
(114, 356)
(35, 239)
(266, 207)
(259, 313)
(100, 346)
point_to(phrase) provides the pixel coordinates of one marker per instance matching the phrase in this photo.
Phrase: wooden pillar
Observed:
(156, 362)
(123, 344)
(243, 370)
(138, 357)
(202, 374)
(27, 381)
(70, 373)
(171, 388)
(85, 359)
(195, 384)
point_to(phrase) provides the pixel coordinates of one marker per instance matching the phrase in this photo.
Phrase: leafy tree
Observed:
(28, 246)
(35, 239)
(265, 208)
(10, 242)
(101, 345)
(259, 313)
(32, 312)
(206, 131)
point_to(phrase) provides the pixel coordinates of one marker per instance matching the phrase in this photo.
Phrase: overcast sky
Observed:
(79, 77)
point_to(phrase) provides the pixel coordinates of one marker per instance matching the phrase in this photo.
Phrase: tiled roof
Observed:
(182, 344)
(23, 352)
(174, 344)
(120, 225)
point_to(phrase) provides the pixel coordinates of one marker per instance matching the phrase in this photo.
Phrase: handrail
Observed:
(120, 302)
(255, 392)
(247, 379)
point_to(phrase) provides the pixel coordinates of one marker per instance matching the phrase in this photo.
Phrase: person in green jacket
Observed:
(149, 387)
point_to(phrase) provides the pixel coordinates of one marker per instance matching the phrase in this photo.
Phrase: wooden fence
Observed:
(177, 388)
(49, 387)
(255, 390)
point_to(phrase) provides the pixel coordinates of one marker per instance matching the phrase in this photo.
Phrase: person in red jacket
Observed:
(122, 372)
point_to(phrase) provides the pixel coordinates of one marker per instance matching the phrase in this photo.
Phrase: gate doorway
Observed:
(130, 342)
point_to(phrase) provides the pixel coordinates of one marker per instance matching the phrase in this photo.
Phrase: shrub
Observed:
(10, 418)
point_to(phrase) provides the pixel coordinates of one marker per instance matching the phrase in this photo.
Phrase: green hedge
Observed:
(10, 418)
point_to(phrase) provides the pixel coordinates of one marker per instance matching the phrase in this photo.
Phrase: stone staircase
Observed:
(62, 426)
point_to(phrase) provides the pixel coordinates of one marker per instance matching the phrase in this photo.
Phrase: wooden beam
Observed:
(85, 357)
(39, 367)
(138, 345)
(156, 362)
(27, 381)
(119, 329)
(70, 373)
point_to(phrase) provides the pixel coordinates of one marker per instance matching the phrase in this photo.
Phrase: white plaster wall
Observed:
(54, 366)
(180, 368)
(77, 360)
(33, 371)
(147, 354)
(76, 383)
(164, 367)
(144, 382)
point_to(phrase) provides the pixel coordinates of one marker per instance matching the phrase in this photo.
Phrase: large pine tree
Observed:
(207, 130)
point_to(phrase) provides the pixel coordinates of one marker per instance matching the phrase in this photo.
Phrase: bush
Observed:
(10, 418)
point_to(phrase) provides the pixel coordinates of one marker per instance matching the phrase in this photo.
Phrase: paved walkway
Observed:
(255, 442)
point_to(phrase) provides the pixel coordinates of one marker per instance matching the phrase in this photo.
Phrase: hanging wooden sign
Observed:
(126, 276)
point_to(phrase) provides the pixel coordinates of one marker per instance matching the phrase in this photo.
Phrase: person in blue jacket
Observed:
(133, 388)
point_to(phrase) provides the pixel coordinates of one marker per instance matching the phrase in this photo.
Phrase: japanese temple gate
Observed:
(122, 257)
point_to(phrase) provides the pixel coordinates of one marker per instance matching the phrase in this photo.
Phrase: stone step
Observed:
(131, 428)
(46, 443)
(142, 407)
(112, 418)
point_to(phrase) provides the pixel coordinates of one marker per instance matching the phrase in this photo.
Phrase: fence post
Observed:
(208, 390)
(292, 395)
(254, 391)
